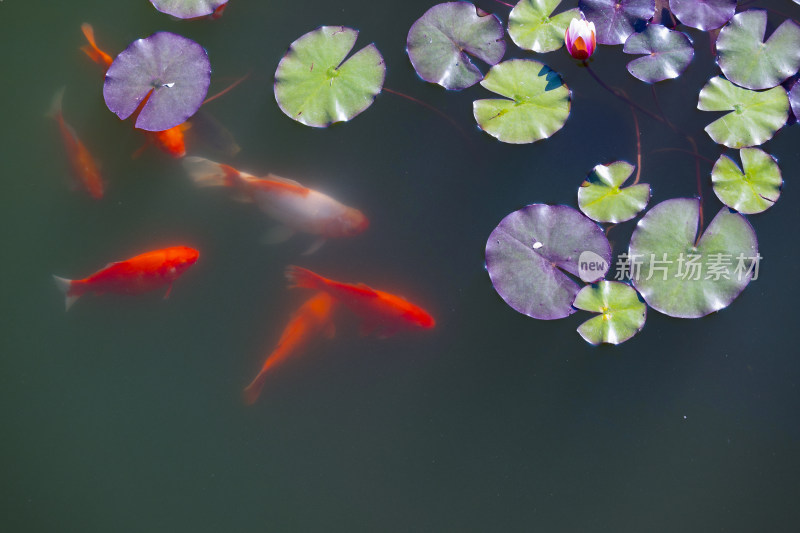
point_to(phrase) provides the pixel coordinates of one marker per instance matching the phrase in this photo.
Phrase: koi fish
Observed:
(92, 50)
(297, 208)
(83, 166)
(307, 324)
(145, 272)
(378, 310)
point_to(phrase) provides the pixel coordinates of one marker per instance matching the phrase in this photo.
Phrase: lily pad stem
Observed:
(430, 108)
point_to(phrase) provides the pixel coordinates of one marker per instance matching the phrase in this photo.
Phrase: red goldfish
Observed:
(83, 166)
(297, 208)
(306, 325)
(145, 272)
(378, 310)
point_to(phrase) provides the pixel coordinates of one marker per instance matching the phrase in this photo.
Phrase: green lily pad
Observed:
(751, 191)
(532, 28)
(755, 117)
(536, 104)
(314, 85)
(679, 278)
(603, 199)
(622, 312)
(749, 61)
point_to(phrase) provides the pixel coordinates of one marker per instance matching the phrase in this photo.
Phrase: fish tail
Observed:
(67, 287)
(91, 49)
(207, 173)
(56, 104)
(303, 278)
(253, 391)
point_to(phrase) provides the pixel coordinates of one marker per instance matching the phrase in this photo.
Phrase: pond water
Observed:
(125, 414)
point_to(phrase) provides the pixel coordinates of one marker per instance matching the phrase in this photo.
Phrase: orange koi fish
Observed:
(297, 208)
(306, 325)
(91, 49)
(145, 272)
(378, 310)
(83, 166)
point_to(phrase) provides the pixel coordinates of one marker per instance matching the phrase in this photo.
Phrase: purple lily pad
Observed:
(615, 20)
(529, 253)
(188, 9)
(174, 68)
(703, 14)
(794, 99)
(667, 53)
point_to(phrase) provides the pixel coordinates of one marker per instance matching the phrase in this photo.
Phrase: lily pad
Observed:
(751, 191)
(622, 312)
(667, 53)
(703, 14)
(188, 9)
(615, 20)
(529, 253)
(174, 71)
(684, 280)
(439, 41)
(755, 115)
(532, 27)
(314, 84)
(536, 104)
(749, 61)
(602, 198)
(794, 99)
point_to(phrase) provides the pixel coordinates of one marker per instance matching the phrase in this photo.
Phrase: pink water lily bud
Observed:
(580, 38)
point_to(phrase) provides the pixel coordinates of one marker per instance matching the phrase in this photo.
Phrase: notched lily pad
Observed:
(667, 53)
(439, 41)
(679, 278)
(751, 191)
(536, 104)
(615, 20)
(602, 198)
(314, 84)
(532, 27)
(174, 71)
(755, 116)
(703, 14)
(529, 253)
(749, 61)
(188, 9)
(622, 312)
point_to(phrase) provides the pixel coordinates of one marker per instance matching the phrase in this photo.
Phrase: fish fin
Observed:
(65, 285)
(139, 151)
(206, 173)
(56, 104)
(276, 235)
(316, 245)
(303, 278)
(169, 290)
(251, 393)
(280, 179)
(330, 330)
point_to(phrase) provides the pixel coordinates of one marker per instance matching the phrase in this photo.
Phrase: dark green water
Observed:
(125, 414)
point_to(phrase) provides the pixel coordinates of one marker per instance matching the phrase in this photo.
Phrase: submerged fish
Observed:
(92, 50)
(145, 272)
(307, 324)
(378, 310)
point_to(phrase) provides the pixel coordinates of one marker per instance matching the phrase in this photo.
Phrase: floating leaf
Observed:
(316, 87)
(755, 117)
(529, 252)
(188, 9)
(601, 198)
(622, 312)
(615, 20)
(794, 99)
(667, 53)
(750, 62)
(703, 14)
(537, 104)
(684, 280)
(174, 68)
(751, 191)
(439, 41)
(532, 28)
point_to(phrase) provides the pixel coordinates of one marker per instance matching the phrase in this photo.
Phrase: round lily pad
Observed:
(667, 53)
(703, 14)
(529, 253)
(622, 312)
(794, 99)
(749, 61)
(751, 191)
(188, 9)
(755, 115)
(173, 70)
(615, 20)
(314, 84)
(438, 44)
(532, 27)
(602, 198)
(684, 280)
(536, 104)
